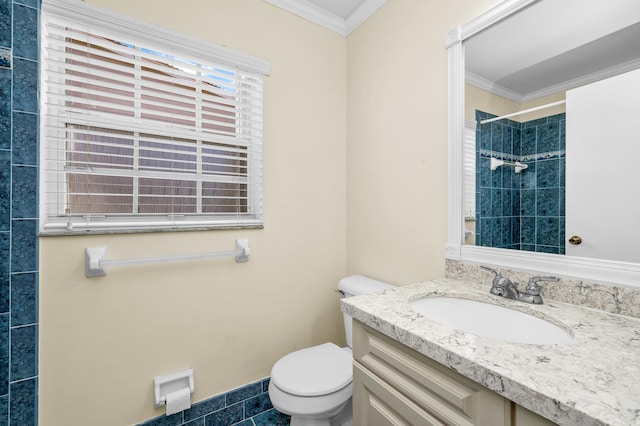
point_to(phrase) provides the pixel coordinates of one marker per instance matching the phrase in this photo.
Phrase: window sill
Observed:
(66, 232)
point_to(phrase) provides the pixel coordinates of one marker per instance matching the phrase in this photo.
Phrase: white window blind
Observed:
(143, 130)
(469, 169)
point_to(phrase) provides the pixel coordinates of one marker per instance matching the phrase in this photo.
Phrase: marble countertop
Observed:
(592, 380)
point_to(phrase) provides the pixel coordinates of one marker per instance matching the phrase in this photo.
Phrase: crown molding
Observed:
(362, 13)
(512, 95)
(313, 13)
(492, 87)
(585, 79)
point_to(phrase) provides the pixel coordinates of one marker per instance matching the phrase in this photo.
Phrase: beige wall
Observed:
(368, 197)
(102, 340)
(397, 138)
(479, 99)
(482, 100)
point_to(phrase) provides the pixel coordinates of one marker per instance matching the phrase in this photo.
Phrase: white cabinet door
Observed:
(395, 385)
(602, 174)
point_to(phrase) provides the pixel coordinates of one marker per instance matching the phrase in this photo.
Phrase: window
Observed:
(469, 170)
(137, 136)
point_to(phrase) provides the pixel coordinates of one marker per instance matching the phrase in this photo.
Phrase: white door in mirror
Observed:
(602, 157)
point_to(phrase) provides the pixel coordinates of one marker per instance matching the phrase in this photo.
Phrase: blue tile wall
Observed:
(5, 23)
(19, 122)
(246, 406)
(521, 211)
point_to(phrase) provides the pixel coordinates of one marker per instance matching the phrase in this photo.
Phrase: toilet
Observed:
(314, 385)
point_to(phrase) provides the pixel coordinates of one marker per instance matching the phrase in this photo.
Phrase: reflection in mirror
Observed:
(549, 44)
(520, 185)
(515, 182)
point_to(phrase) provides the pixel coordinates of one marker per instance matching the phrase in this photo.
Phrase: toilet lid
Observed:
(315, 371)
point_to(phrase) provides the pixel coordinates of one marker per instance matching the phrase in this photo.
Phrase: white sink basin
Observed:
(493, 321)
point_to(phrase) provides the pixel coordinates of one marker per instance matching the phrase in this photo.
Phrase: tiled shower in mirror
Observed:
(524, 210)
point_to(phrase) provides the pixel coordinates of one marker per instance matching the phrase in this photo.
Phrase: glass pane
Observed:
(222, 197)
(99, 194)
(223, 159)
(91, 192)
(167, 196)
(174, 155)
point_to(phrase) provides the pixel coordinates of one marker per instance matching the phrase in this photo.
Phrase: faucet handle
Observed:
(499, 280)
(533, 288)
(495, 271)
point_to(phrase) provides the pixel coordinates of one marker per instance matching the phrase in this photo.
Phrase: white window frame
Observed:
(53, 220)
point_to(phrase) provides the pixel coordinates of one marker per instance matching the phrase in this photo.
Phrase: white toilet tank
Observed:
(355, 285)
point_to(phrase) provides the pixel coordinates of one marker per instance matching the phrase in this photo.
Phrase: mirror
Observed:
(522, 55)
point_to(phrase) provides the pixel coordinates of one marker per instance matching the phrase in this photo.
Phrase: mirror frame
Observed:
(613, 272)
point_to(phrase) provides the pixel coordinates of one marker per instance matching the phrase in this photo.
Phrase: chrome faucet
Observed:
(504, 287)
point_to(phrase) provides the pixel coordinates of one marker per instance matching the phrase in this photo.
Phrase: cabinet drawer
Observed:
(440, 391)
(377, 403)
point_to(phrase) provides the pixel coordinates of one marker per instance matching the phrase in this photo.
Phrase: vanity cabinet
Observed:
(395, 385)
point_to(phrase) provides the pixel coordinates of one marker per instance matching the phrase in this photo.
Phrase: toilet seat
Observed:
(315, 371)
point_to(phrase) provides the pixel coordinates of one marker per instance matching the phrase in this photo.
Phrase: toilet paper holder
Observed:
(162, 385)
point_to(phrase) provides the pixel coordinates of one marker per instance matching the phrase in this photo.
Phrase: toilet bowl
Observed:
(318, 393)
(314, 385)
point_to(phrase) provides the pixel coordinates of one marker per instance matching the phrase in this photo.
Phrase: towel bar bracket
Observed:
(242, 247)
(93, 256)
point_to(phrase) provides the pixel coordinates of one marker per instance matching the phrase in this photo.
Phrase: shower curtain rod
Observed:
(489, 120)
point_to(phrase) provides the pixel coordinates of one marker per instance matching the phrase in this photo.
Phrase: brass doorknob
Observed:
(575, 240)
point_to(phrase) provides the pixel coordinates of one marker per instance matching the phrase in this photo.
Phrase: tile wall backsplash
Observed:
(521, 211)
(19, 120)
(246, 406)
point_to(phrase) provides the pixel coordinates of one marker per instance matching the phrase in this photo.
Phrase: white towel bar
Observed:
(96, 262)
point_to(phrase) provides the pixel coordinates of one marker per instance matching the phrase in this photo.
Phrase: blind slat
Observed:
(178, 132)
(115, 78)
